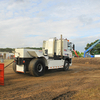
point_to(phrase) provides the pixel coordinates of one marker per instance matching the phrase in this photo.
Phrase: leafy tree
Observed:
(80, 54)
(94, 50)
(7, 50)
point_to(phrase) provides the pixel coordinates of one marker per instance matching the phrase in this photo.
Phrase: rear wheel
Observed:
(37, 67)
(66, 65)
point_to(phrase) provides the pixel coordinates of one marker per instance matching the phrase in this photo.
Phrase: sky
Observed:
(26, 23)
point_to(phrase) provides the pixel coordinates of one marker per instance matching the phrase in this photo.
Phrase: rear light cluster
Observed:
(23, 61)
(19, 61)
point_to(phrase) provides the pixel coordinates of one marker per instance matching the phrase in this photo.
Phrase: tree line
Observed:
(93, 51)
(10, 50)
(7, 50)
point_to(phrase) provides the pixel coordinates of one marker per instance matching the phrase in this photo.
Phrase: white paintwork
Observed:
(67, 53)
(51, 47)
(58, 47)
(53, 64)
(97, 55)
(46, 57)
(66, 49)
(20, 68)
(54, 45)
(23, 53)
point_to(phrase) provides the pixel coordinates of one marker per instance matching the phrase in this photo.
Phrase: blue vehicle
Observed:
(87, 51)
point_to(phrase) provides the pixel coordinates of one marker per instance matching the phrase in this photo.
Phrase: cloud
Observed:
(85, 19)
(29, 22)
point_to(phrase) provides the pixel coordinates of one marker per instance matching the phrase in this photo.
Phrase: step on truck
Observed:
(55, 53)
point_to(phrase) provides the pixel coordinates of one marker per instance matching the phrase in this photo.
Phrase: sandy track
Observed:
(54, 85)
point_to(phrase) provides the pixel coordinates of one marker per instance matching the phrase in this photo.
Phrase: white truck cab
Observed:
(55, 53)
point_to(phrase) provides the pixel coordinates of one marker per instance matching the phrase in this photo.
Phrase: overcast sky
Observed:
(26, 23)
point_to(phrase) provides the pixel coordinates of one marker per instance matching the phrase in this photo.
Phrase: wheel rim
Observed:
(39, 67)
(66, 65)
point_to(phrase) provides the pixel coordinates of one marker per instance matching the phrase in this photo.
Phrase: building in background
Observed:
(6, 55)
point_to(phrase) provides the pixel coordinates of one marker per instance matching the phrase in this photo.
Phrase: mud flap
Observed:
(20, 68)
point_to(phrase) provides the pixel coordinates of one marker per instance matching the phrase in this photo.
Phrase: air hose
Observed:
(9, 64)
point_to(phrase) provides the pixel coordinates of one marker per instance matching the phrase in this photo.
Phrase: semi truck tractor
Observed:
(55, 53)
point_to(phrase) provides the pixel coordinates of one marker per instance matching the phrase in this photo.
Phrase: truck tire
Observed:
(36, 67)
(14, 67)
(66, 65)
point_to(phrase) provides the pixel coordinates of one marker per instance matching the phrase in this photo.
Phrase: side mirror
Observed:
(73, 46)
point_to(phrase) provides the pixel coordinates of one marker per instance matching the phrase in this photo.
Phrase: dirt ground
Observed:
(81, 82)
